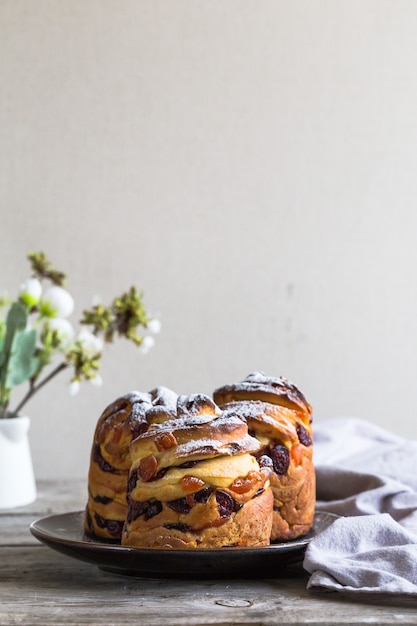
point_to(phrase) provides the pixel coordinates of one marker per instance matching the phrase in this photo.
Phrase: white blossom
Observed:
(146, 345)
(91, 344)
(74, 387)
(59, 302)
(30, 291)
(154, 326)
(96, 380)
(64, 329)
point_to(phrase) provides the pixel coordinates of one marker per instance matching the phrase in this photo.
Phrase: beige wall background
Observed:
(249, 165)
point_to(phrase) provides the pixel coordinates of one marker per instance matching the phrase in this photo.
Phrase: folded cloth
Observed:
(367, 476)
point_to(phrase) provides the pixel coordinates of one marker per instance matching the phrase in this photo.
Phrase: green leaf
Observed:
(22, 362)
(16, 321)
(17, 360)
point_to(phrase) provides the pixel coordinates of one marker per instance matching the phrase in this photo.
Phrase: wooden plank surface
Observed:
(39, 586)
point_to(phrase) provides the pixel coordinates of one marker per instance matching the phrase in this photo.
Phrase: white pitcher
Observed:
(17, 480)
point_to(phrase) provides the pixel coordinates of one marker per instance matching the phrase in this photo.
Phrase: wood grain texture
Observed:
(39, 586)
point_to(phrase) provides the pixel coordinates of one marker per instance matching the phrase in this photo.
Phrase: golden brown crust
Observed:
(258, 386)
(194, 482)
(249, 526)
(121, 422)
(281, 421)
(294, 500)
(170, 471)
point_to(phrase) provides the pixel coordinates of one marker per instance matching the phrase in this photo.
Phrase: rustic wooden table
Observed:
(40, 586)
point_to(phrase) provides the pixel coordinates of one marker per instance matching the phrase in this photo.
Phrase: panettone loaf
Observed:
(195, 482)
(279, 416)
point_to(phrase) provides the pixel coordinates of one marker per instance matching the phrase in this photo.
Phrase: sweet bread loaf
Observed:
(279, 416)
(121, 422)
(195, 483)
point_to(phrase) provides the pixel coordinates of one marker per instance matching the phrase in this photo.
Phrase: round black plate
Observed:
(65, 533)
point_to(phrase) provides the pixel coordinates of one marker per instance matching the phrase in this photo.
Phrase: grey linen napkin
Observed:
(368, 476)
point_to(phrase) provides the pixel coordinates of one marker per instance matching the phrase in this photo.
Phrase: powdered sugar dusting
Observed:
(258, 382)
(196, 404)
(163, 396)
(208, 447)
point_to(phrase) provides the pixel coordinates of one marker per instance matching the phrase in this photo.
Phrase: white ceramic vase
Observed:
(17, 480)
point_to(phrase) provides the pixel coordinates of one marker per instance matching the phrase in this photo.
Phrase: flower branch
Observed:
(37, 331)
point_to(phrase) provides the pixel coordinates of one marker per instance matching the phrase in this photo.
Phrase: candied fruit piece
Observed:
(165, 441)
(147, 467)
(191, 483)
(297, 453)
(242, 484)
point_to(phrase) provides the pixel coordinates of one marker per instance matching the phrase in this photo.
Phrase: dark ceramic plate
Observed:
(65, 533)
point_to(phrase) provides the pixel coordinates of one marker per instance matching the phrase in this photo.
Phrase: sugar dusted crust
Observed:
(121, 422)
(258, 386)
(278, 415)
(193, 437)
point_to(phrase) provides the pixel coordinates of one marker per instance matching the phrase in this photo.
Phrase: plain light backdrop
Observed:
(250, 165)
